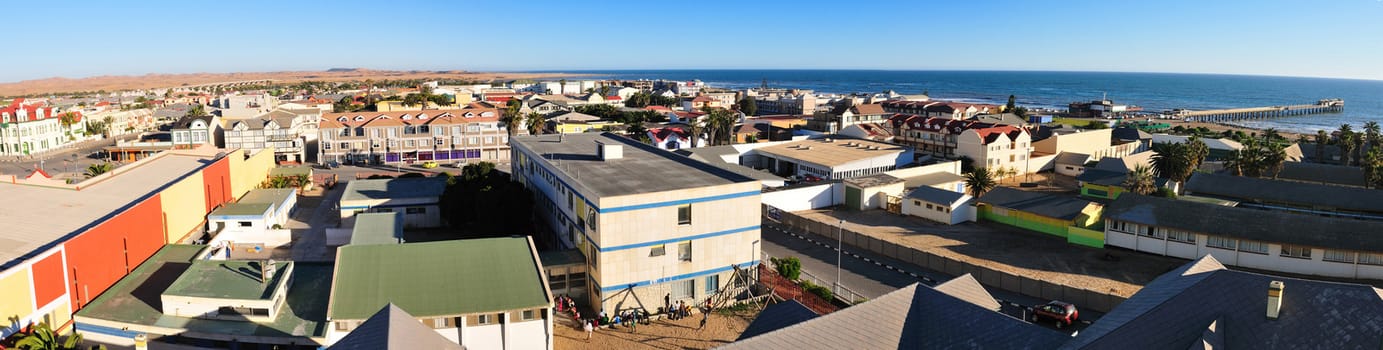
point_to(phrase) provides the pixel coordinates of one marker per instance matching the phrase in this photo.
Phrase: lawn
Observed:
(1072, 122)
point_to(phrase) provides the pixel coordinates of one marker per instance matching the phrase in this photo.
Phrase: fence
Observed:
(845, 295)
(1088, 299)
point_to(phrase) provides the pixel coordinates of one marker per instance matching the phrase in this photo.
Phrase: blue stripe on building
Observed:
(91, 328)
(678, 202)
(750, 264)
(672, 240)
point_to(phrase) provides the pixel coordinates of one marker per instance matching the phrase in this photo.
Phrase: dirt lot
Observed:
(1010, 249)
(720, 329)
(148, 81)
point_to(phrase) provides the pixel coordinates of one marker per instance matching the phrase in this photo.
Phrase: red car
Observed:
(1063, 313)
(811, 178)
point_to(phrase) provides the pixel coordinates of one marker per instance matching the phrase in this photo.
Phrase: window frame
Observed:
(684, 217)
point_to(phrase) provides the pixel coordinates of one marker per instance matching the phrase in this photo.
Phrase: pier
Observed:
(1332, 105)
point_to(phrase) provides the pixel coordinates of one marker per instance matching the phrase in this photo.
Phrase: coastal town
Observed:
(581, 213)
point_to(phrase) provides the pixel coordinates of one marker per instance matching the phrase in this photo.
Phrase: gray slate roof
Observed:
(1322, 173)
(1251, 224)
(644, 168)
(777, 316)
(1046, 204)
(394, 188)
(965, 287)
(913, 317)
(1249, 189)
(1175, 310)
(392, 328)
(1072, 158)
(936, 195)
(875, 180)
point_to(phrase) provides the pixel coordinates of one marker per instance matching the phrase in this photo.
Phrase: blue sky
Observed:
(1335, 38)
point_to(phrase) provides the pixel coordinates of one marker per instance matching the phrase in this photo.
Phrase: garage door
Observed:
(852, 198)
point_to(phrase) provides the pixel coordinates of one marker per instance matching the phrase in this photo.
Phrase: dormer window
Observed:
(487, 114)
(360, 118)
(422, 117)
(342, 119)
(468, 115)
(406, 117)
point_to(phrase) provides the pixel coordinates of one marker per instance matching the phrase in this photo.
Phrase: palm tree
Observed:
(1140, 180)
(1371, 133)
(1346, 144)
(1271, 135)
(1356, 140)
(197, 110)
(1234, 163)
(979, 181)
(1273, 156)
(43, 338)
(67, 119)
(98, 169)
(1172, 161)
(1322, 138)
(695, 128)
(535, 122)
(512, 120)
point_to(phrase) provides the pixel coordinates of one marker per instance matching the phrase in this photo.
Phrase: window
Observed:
(439, 142)
(570, 202)
(929, 206)
(1150, 232)
(443, 322)
(246, 224)
(1338, 256)
(684, 251)
(484, 319)
(940, 209)
(417, 210)
(342, 326)
(918, 203)
(526, 315)
(409, 143)
(1371, 259)
(1181, 236)
(658, 250)
(684, 214)
(683, 289)
(712, 284)
(384, 210)
(1253, 247)
(1296, 252)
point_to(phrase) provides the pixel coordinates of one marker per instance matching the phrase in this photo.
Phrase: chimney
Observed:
(609, 152)
(1274, 299)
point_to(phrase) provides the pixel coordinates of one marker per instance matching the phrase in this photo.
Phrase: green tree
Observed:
(1011, 103)
(789, 267)
(1346, 143)
(1373, 168)
(1322, 138)
(536, 123)
(748, 106)
(979, 181)
(512, 118)
(603, 111)
(1173, 160)
(1371, 134)
(44, 338)
(482, 202)
(719, 126)
(197, 110)
(98, 169)
(1140, 180)
(67, 119)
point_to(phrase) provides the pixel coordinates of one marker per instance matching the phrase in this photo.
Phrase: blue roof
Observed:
(936, 195)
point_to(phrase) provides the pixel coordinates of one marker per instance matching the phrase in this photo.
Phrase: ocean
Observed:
(1155, 92)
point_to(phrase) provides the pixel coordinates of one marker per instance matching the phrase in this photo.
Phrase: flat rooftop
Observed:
(377, 228)
(227, 280)
(25, 234)
(643, 168)
(240, 209)
(444, 278)
(135, 299)
(268, 195)
(832, 153)
(394, 188)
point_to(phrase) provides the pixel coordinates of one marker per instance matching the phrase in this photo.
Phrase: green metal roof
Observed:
(268, 195)
(394, 188)
(434, 279)
(241, 209)
(304, 313)
(377, 228)
(227, 280)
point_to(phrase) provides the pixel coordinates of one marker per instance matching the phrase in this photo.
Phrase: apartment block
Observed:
(406, 137)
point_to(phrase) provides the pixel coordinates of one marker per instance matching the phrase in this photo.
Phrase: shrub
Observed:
(1166, 193)
(790, 267)
(823, 292)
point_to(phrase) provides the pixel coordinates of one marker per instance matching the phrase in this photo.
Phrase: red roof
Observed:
(660, 134)
(702, 98)
(991, 134)
(38, 171)
(656, 108)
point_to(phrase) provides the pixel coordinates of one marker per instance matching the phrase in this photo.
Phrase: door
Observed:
(852, 198)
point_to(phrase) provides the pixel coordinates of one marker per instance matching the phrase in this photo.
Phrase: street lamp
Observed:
(753, 252)
(840, 229)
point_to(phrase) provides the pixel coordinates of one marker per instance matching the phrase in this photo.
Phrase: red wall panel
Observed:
(216, 183)
(48, 281)
(102, 255)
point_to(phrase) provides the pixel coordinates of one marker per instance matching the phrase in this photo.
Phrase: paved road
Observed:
(871, 275)
(309, 238)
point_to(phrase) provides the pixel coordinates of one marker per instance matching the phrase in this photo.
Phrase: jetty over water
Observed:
(1331, 105)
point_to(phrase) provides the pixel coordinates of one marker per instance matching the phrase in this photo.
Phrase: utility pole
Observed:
(840, 229)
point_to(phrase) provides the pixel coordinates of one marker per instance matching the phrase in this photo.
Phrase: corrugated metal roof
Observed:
(393, 329)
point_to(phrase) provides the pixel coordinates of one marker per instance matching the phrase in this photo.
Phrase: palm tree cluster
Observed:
(98, 169)
(1257, 158)
(1177, 161)
(979, 180)
(719, 127)
(1352, 143)
(1140, 180)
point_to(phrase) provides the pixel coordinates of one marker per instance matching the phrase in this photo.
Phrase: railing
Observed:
(840, 292)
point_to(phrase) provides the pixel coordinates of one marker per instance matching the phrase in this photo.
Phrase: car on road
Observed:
(1063, 313)
(429, 165)
(811, 178)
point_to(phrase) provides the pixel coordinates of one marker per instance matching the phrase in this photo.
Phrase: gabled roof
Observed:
(1245, 223)
(966, 287)
(777, 316)
(1057, 206)
(1322, 173)
(1126, 163)
(867, 109)
(393, 329)
(913, 317)
(1175, 311)
(1250, 189)
(1072, 158)
(937, 195)
(569, 117)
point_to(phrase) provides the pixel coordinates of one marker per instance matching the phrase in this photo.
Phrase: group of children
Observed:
(628, 318)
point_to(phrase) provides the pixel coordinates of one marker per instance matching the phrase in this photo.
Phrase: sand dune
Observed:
(147, 81)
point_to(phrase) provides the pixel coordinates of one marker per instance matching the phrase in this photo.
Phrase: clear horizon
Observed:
(1266, 38)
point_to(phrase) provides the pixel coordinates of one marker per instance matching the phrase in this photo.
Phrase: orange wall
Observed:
(102, 255)
(216, 183)
(48, 280)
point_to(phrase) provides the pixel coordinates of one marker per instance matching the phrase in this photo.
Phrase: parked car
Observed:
(331, 164)
(811, 178)
(1063, 313)
(429, 165)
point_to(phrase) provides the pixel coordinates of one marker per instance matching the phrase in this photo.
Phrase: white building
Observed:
(829, 158)
(488, 293)
(417, 198)
(935, 204)
(190, 132)
(1252, 238)
(245, 106)
(651, 223)
(997, 147)
(286, 131)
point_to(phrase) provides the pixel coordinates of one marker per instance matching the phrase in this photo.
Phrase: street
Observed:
(871, 275)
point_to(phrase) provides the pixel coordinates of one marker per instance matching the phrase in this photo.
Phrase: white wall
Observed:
(528, 334)
(805, 198)
(876, 197)
(270, 238)
(918, 208)
(482, 337)
(1272, 261)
